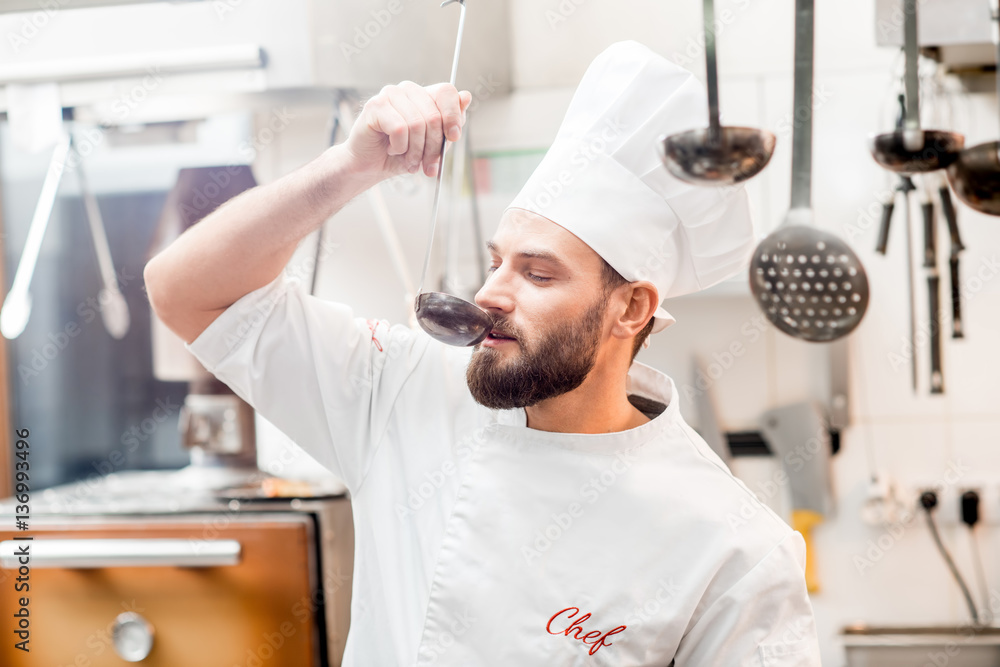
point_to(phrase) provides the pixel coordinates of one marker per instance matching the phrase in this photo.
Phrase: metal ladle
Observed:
(913, 150)
(17, 305)
(975, 176)
(445, 317)
(715, 155)
(808, 283)
(114, 307)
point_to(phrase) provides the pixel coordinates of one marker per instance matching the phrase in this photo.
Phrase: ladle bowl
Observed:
(975, 177)
(736, 155)
(809, 283)
(452, 320)
(937, 150)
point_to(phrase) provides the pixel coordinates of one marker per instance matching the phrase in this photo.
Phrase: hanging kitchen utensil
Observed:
(951, 215)
(17, 306)
(933, 287)
(808, 282)
(931, 182)
(114, 308)
(907, 186)
(715, 155)
(445, 317)
(889, 206)
(975, 176)
(948, 208)
(956, 297)
(930, 231)
(913, 150)
(933, 291)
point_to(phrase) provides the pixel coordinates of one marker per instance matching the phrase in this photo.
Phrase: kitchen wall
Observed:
(869, 574)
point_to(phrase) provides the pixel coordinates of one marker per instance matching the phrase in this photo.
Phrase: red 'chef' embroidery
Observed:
(372, 325)
(596, 638)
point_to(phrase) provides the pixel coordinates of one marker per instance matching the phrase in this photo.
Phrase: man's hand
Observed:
(400, 129)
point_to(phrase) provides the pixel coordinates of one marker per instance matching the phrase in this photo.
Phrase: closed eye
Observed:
(531, 276)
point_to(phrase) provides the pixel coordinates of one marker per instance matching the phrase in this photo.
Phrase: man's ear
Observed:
(643, 300)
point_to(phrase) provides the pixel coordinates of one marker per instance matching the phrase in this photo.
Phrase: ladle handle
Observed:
(912, 79)
(906, 185)
(711, 74)
(930, 234)
(444, 143)
(883, 230)
(803, 106)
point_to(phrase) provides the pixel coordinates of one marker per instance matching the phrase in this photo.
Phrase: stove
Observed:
(149, 568)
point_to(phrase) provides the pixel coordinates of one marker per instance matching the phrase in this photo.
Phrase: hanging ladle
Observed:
(715, 155)
(975, 176)
(913, 150)
(445, 317)
(808, 283)
(17, 305)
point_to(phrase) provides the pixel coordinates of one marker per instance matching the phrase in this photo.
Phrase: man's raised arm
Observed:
(247, 241)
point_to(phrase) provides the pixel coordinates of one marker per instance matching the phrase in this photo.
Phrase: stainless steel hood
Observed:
(960, 31)
(101, 52)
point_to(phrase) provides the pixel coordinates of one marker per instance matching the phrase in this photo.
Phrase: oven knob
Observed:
(132, 636)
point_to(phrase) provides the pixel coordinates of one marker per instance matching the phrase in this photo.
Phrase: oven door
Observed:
(210, 590)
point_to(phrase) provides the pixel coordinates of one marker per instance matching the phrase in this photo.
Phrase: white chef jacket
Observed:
(480, 541)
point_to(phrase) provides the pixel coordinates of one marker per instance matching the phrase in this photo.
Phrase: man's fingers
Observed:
(452, 112)
(388, 121)
(423, 100)
(416, 122)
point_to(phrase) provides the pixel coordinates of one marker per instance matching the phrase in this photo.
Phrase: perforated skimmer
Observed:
(809, 283)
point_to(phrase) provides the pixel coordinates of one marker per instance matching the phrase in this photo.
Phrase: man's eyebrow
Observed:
(543, 255)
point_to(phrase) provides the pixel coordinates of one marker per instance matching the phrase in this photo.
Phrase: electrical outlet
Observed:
(949, 508)
(979, 488)
(947, 512)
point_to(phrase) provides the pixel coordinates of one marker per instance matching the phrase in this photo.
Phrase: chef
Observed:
(537, 500)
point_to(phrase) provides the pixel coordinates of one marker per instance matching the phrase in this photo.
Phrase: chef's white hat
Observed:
(602, 179)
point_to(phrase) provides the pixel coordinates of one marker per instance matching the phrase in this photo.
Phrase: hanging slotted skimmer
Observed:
(808, 283)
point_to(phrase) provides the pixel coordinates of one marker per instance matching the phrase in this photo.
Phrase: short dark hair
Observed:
(613, 280)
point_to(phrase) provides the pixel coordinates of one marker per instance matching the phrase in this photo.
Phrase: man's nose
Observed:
(495, 294)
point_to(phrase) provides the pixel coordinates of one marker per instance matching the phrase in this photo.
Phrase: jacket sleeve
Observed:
(764, 620)
(320, 375)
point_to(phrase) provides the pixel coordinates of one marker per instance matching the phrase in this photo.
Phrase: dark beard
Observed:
(557, 364)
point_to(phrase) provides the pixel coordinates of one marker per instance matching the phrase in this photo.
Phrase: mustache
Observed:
(502, 327)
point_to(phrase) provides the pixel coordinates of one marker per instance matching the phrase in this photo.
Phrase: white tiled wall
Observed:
(909, 437)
